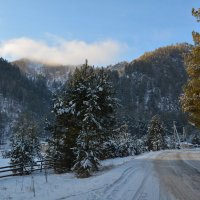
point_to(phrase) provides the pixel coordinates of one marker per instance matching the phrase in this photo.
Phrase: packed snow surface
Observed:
(156, 175)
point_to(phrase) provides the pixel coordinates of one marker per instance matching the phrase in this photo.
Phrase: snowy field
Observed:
(150, 176)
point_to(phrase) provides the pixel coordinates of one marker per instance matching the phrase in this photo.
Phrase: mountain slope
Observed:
(18, 93)
(55, 76)
(152, 84)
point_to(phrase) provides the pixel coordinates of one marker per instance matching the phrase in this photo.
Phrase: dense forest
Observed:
(149, 85)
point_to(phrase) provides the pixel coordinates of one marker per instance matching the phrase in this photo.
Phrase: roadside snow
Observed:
(124, 179)
(116, 161)
(130, 178)
(4, 162)
(58, 186)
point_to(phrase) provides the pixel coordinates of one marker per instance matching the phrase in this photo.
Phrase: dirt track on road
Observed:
(179, 173)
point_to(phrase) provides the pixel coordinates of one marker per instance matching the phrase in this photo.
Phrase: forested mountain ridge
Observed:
(152, 84)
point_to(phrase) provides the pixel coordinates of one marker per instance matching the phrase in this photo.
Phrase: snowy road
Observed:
(167, 175)
(137, 182)
(179, 173)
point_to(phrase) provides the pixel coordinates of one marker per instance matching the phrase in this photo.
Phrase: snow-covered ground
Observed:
(145, 177)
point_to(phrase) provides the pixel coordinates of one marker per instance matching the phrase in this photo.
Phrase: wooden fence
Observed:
(16, 170)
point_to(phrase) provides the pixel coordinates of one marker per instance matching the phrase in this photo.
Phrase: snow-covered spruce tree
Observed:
(155, 136)
(110, 148)
(97, 118)
(124, 141)
(84, 120)
(139, 146)
(25, 146)
(196, 140)
(171, 142)
(64, 131)
(128, 144)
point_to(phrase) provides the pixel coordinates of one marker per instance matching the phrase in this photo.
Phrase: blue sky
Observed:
(104, 31)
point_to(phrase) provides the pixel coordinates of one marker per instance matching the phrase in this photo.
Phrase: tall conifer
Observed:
(191, 97)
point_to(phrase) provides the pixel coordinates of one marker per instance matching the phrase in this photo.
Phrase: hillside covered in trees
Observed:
(18, 93)
(149, 85)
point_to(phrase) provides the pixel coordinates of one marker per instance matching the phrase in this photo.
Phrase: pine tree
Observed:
(171, 142)
(124, 141)
(138, 146)
(155, 136)
(191, 97)
(25, 146)
(97, 110)
(64, 131)
(196, 140)
(84, 120)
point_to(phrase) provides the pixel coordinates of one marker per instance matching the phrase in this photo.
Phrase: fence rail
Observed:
(38, 166)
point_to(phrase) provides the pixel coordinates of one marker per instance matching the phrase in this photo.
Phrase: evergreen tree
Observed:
(155, 136)
(196, 13)
(139, 146)
(110, 147)
(84, 119)
(191, 97)
(171, 142)
(64, 131)
(25, 146)
(124, 141)
(196, 139)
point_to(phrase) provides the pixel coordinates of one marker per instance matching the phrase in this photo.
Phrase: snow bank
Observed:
(59, 186)
(116, 161)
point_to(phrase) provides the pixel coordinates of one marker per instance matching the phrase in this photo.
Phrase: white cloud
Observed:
(62, 52)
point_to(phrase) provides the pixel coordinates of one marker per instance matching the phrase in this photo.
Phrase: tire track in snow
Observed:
(131, 186)
(140, 194)
(117, 186)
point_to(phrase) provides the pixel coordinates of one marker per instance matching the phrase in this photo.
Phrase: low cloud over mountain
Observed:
(62, 52)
